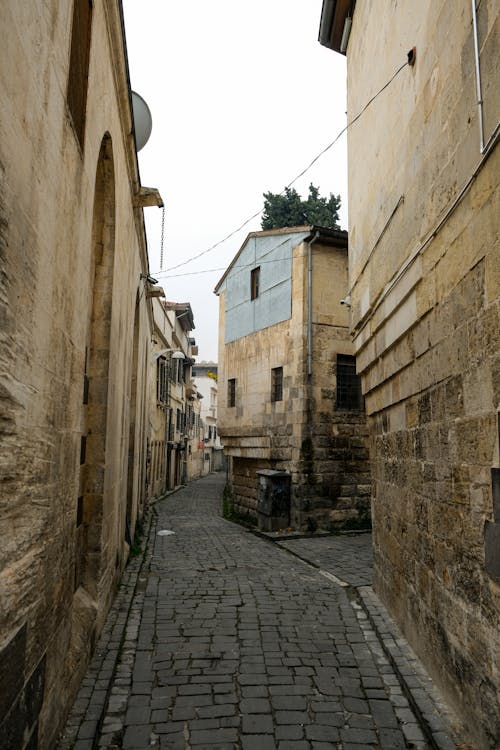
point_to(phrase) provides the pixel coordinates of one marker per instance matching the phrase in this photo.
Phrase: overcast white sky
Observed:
(243, 97)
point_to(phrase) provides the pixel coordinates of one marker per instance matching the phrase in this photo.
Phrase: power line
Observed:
(301, 174)
(259, 262)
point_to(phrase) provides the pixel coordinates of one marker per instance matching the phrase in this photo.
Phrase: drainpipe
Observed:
(309, 304)
(478, 78)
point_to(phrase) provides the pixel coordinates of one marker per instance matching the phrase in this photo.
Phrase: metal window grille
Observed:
(231, 392)
(162, 380)
(277, 384)
(254, 282)
(171, 425)
(349, 394)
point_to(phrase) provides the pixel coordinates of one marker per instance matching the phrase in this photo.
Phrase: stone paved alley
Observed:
(221, 639)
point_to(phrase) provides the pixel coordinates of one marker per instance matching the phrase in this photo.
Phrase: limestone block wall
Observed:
(424, 272)
(74, 355)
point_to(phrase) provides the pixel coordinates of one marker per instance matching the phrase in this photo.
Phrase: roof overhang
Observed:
(333, 20)
(263, 233)
(310, 233)
(183, 314)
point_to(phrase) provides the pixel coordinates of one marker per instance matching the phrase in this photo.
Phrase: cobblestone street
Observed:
(221, 639)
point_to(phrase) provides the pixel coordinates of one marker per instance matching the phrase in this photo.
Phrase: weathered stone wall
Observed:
(244, 484)
(335, 486)
(71, 252)
(424, 270)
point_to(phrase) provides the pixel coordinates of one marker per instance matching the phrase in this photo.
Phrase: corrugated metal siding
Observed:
(274, 304)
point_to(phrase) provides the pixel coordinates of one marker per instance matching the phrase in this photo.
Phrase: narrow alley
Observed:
(221, 639)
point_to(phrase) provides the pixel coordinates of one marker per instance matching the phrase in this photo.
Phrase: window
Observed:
(162, 380)
(349, 394)
(79, 65)
(277, 384)
(171, 425)
(254, 282)
(176, 371)
(231, 392)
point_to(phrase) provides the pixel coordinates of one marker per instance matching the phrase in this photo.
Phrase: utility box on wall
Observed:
(273, 499)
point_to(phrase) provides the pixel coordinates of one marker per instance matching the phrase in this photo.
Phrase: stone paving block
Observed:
(413, 732)
(360, 736)
(383, 714)
(289, 690)
(172, 742)
(195, 701)
(207, 737)
(257, 724)
(287, 732)
(392, 739)
(255, 706)
(289, 702)
(355, 705)
(322, 732)
(209, 712)
(291, 717)
(136, 738)
(257, 742)
(183, 713)
(336, 719)
(169, 727)
(138, 715)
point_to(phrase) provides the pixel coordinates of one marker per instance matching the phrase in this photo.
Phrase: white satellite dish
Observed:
(143, 123)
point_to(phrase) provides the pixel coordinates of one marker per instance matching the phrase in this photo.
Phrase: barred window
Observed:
(277, 384)
(349, 394)
(231, 392)
(179, 422)
(162, 380)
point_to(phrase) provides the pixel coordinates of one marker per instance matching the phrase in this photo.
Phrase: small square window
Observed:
(231, 392)
(277, 384)
(254, 282)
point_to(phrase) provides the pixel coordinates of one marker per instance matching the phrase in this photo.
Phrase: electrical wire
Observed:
(258, 262)
(301, 174)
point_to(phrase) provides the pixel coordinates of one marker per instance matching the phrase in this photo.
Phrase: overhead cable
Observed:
(301, 174)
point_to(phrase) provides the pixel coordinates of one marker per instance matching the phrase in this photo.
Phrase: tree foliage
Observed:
(289, 210)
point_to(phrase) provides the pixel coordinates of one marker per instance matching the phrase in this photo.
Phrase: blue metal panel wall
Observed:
(273, 254)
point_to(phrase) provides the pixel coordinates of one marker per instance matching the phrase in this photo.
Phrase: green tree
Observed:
(289, 210)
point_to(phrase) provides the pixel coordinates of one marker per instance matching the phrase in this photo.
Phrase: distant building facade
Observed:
(74, 350)
(424, 170)
(206, 376)
(289, 398)
(176, 452)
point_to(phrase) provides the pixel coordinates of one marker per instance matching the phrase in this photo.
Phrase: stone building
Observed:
(289, 397)
(74, 349)
(424, 262)
(206, 375)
